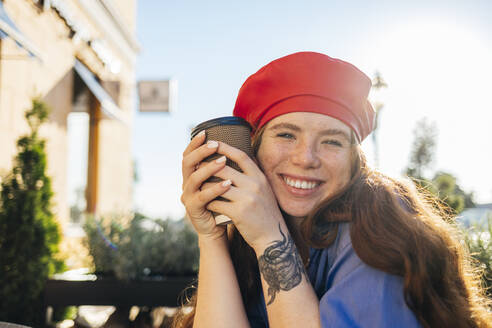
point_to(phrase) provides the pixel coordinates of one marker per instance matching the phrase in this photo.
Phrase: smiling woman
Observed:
(319, 238)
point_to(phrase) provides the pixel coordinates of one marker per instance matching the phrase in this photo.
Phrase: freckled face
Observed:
(306, 158)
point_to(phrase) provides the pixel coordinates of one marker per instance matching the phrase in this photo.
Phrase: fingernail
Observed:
(199, 134)
(226, 183)
(212, 144)
(220, 160)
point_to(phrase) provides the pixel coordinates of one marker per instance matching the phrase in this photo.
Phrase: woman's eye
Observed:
(285, 135)
(332, 142)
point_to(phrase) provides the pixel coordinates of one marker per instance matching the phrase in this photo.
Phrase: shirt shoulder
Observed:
(353, 294)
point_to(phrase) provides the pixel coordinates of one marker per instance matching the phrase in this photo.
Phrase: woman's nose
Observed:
(305, 156)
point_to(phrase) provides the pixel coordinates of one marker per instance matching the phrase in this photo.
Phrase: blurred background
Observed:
(115, 87)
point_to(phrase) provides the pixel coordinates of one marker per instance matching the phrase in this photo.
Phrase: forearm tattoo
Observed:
(281, 266)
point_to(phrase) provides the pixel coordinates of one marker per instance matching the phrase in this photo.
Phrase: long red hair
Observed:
(406, 232)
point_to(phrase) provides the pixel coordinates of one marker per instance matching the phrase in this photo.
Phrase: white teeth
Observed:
(300, 184)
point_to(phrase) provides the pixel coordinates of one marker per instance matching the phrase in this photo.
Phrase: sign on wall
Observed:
(157, 96)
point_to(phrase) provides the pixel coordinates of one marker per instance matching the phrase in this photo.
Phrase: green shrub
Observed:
(29, 234)
(478, 240)
(145, 248)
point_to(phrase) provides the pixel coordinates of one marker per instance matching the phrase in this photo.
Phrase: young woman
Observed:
(319, 239)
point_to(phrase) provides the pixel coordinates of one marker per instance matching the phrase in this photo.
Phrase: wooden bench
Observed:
(166, 291)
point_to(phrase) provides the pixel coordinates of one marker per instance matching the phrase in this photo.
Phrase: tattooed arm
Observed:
(281, 266)
(290, 298)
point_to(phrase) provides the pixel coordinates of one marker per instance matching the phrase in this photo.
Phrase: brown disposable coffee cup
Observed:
(233, 131)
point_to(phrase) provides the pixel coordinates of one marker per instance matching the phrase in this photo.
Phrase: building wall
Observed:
(129, 12)
(23, 77)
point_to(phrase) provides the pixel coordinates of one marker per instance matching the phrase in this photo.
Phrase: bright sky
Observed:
(436, 57)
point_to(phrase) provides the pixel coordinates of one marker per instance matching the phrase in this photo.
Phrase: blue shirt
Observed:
(351, 293)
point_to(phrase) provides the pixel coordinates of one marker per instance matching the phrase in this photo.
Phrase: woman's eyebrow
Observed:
(285, 126)
(332, 132)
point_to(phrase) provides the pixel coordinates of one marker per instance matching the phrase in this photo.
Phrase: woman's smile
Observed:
(300, 186)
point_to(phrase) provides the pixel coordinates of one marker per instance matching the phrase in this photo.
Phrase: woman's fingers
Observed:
(200, 217)
(246, 164)
(233, 194)
(212, 191)
(238, 179)
(196, 200)
(192, 159)
(195, 143)
(195, 154)
(220, 206)
(198, 177)
(236, 199)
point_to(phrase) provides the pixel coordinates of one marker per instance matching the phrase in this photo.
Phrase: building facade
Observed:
(78, 56)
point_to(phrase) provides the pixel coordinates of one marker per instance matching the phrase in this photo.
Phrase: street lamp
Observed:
(376, 98)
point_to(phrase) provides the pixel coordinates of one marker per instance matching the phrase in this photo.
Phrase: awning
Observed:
(107, 104)
(8, 28)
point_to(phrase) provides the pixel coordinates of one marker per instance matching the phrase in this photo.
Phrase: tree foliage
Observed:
(442, 184)
(423, 148)
(29, 234)
(447, 189)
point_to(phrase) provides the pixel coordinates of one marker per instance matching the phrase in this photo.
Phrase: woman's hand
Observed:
(195, 198)
(252, 205)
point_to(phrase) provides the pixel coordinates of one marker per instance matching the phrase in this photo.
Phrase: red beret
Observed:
(307, 82)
